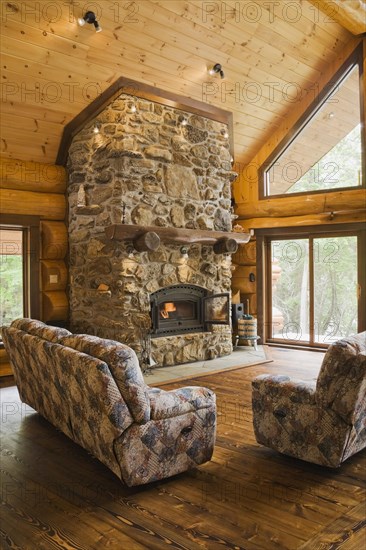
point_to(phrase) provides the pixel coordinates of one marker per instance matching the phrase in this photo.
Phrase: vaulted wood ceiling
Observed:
(272, 54)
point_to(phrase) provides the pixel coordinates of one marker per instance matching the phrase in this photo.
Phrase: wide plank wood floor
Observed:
(56, 496)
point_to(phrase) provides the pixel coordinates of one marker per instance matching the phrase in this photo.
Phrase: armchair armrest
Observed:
(167, 404)
(278, 388)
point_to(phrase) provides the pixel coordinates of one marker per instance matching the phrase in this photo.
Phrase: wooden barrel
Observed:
(247, 329)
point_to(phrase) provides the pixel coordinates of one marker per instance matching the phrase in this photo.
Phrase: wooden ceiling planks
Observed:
(169, 44)
(351, 14)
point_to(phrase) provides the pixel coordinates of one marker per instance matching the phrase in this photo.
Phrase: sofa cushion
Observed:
(124, 366)
(38, 328)
(341, 383)
(166, 404)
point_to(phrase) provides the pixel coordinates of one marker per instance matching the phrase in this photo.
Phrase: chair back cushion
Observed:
(124, 366)
(341, 384)
(38, 328)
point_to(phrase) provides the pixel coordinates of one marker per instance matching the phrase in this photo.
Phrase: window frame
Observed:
(30, 226)
(355, 59)
(264, 238)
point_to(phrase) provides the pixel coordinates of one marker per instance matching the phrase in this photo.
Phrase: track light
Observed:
(90, 18)
(217, 69)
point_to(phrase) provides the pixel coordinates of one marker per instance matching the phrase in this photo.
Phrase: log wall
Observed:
(33, 188)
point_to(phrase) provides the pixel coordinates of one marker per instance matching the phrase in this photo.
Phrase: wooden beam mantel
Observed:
(149, 237)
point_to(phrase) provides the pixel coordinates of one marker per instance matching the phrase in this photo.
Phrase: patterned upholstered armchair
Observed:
(324, 421)
(93, 390)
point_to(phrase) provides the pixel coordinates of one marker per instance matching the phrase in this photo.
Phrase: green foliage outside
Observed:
(11, 285)
(340, 167)
(335, 287)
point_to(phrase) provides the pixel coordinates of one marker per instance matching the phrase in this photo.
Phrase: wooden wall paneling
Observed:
(169, 44)
(246, 254)
(45, 205)
(350, 15)
(32, 176)
(53, 275)
(240, 279)
(55, 306)
(54, 240)
(19, 30)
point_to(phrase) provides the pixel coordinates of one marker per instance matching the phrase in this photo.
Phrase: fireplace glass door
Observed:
(216, 309)
(181, 309)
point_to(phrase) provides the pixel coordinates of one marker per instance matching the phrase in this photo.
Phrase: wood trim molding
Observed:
(32, 250)
(143, 91)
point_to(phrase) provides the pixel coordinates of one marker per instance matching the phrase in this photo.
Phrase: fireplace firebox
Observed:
(180, 309)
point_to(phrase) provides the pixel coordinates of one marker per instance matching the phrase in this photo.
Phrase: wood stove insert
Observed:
(180, 309)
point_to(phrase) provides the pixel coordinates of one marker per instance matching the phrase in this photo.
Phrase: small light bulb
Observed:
(211, 72)
(133, 108)
(98, 29)
(81, 21)
(96, 129)
(184, 122)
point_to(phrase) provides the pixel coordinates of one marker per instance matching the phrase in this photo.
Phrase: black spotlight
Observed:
(217, 69)
(90, 18)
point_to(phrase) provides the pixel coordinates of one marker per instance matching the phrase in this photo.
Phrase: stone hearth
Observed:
(145, 167)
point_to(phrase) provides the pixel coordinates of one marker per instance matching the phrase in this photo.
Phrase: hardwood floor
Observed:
(56, 496)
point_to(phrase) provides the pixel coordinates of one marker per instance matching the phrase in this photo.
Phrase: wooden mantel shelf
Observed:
(149, 237)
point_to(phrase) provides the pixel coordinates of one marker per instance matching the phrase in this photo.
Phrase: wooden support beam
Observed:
(316, 203)
(301, 221)
(32, 176)
(48, 206)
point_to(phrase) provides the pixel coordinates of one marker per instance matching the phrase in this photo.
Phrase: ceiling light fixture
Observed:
(217, 69)
(90, 18)
(131, 107)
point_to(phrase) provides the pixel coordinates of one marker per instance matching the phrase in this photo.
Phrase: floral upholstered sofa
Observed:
(322, 422)
(93, 391)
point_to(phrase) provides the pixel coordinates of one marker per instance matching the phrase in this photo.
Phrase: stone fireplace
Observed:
(150, 165)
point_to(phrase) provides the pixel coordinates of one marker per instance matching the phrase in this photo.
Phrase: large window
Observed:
(314, 285)
(19, 268)
(325, 151)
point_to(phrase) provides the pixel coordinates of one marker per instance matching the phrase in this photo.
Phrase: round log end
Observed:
(149, 241)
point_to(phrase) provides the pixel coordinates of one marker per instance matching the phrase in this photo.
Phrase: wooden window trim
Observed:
(264, 275)
(356, 58)
(31, 251)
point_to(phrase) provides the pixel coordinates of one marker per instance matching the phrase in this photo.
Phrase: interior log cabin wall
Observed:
(294, 211)
(37, 189)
